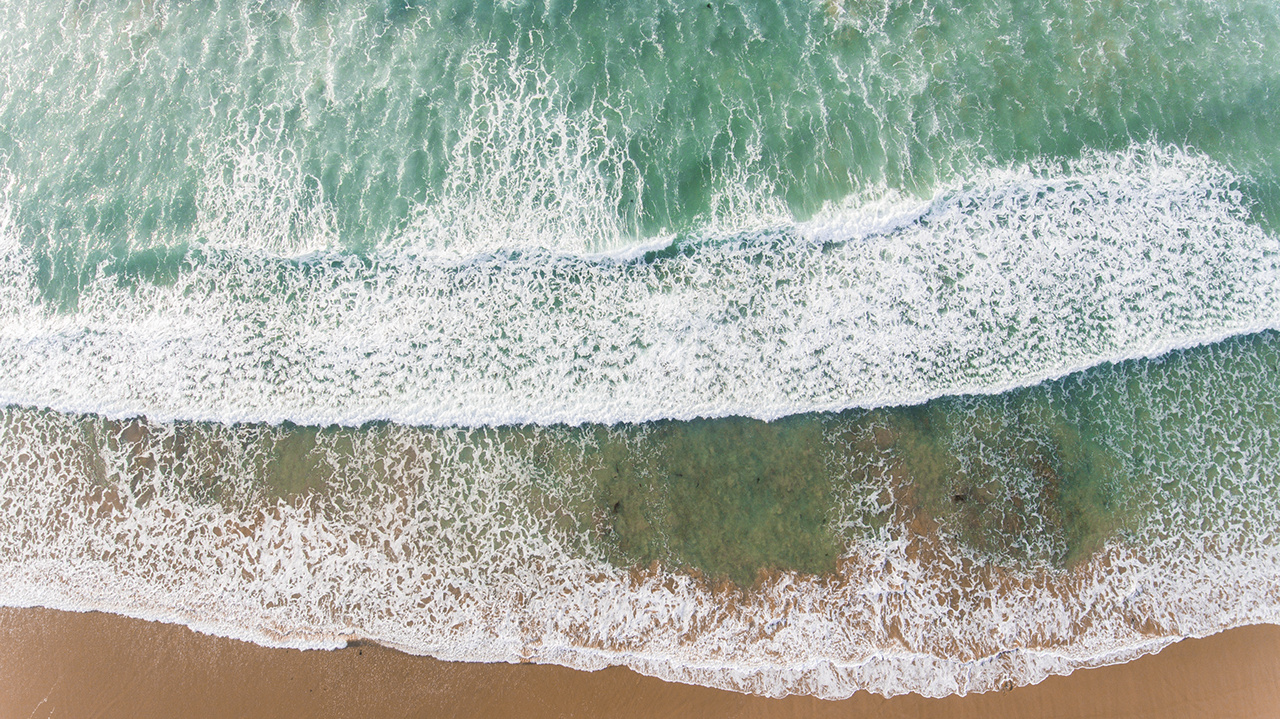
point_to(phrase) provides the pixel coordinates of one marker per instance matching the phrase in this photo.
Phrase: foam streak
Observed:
(1018, 276)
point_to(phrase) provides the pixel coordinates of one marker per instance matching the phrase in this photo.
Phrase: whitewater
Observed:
(1013, 278)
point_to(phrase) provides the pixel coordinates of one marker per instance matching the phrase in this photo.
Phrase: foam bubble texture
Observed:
(1017, 276)
(449, 542)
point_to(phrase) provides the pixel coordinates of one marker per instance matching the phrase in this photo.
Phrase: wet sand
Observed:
(63, 664)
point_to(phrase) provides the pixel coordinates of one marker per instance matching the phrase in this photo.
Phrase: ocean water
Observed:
(785, 347)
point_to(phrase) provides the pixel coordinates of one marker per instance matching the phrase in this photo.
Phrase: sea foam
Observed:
(452, 543)
(1013, 277)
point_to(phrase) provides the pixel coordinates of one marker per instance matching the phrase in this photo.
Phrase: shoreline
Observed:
(56, 663)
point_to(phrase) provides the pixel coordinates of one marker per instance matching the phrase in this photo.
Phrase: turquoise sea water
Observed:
(794, 347)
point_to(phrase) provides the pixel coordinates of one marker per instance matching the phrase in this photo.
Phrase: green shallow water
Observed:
(1038, 477)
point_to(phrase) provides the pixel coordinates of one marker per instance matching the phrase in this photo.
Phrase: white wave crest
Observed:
(1018, 276)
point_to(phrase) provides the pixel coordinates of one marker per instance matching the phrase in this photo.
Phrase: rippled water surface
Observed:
(787, 347)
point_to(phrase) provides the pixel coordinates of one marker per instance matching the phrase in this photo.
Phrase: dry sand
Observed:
(62, 664)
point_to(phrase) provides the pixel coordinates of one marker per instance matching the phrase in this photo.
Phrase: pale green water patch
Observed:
(1014, 477)
(729, 497)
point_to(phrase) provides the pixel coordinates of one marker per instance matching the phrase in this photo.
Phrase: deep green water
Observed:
(132, 130)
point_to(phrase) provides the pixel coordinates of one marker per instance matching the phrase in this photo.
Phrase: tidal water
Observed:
(785, 347)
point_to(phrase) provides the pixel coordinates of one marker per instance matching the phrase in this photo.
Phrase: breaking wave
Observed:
(1011, 278)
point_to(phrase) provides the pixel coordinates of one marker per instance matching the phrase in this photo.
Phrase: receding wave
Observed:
(978, 542)
(1014, 277)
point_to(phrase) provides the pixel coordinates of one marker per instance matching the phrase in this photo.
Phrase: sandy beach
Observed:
(63, 664)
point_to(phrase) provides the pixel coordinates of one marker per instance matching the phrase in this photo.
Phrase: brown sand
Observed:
(61, 664)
